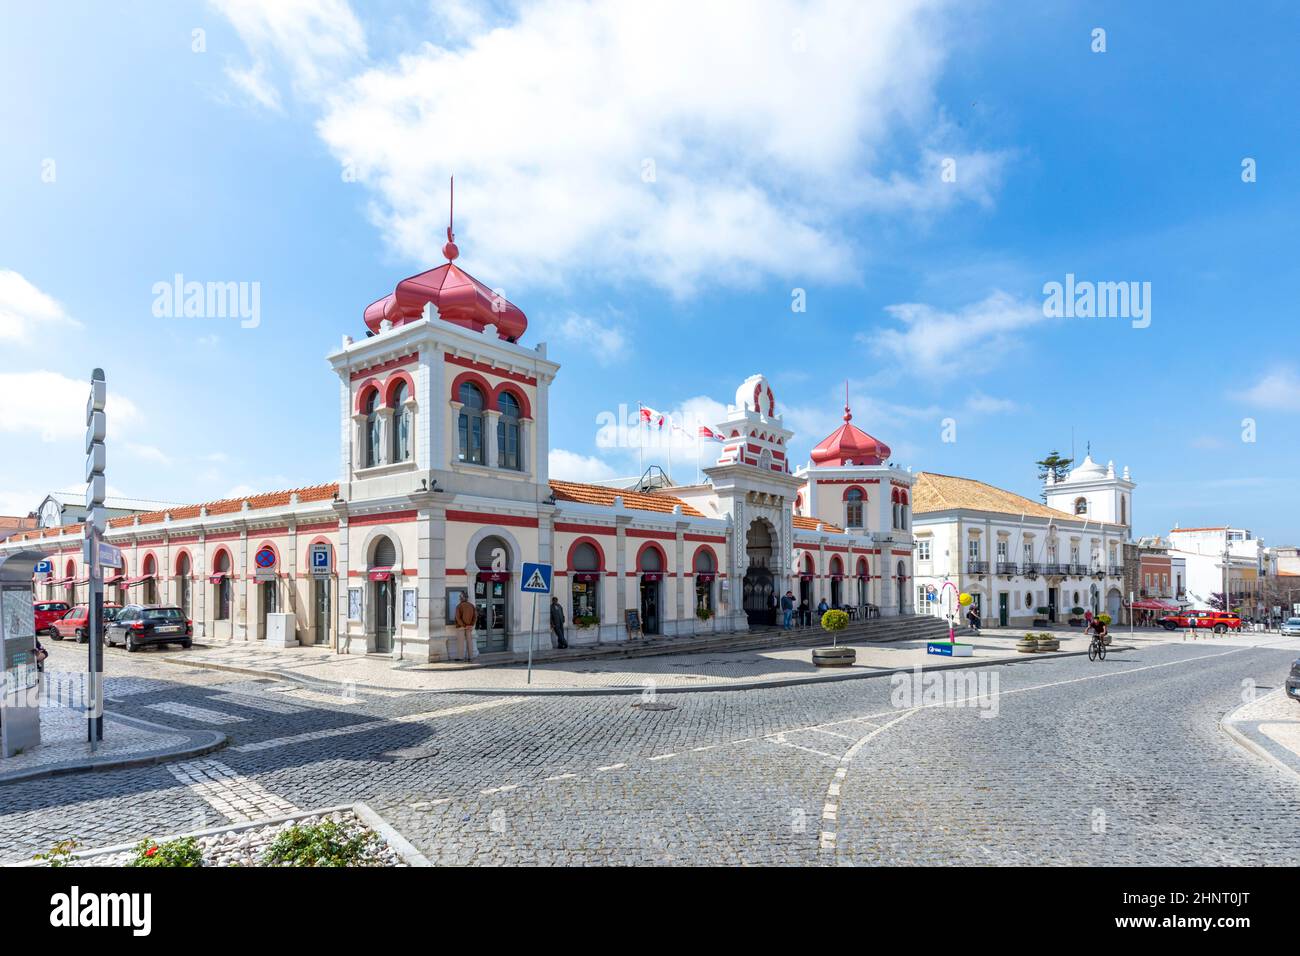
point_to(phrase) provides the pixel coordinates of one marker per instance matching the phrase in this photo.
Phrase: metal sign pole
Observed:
(532, 639)
(96, 520)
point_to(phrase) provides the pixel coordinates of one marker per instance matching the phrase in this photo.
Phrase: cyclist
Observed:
(1098, 628)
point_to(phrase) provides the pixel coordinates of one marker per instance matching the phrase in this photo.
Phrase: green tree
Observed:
(1053, 465)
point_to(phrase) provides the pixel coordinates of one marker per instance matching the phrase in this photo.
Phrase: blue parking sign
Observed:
(536, 578)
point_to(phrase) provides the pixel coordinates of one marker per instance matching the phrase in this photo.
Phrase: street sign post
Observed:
(96, 551)
(536, 580)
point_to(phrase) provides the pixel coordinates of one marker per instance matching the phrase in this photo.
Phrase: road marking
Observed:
(503, 789)
(831, 810)
(258, 703)
(663, 756)
(234, 796)
(563, 776)
(201, 714)
(613, 766)
(368, 725)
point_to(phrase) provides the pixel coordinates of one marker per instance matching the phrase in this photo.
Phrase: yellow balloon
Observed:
(964, 599)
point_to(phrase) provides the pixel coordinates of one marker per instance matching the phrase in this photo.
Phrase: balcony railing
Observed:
(1058, 570)
(1078, 570)
(977, 567)
(1007, 567)
(1031, 569)
(1116, 571)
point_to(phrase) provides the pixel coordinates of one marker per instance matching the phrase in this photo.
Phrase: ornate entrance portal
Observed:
(757, 588)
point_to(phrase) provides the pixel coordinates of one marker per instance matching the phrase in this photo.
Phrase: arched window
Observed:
(853, 508)
(401, 424)
(385, 554)
(471, 423)
(148, 587)
(183, 583)
(221, 569)
(1123, 509)
(1081, 506)
(371, 457)
(509, 454)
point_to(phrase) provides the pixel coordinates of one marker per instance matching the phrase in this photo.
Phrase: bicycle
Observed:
(1097, 648)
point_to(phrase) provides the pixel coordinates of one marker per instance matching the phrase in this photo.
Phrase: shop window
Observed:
(508, 450)
(705, 571)
(222, 567)
(471, 424)
(586, 584)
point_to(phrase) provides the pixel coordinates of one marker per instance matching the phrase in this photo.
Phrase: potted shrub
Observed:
(584, 621)
(703, 613)
(1048, 642)
(1076, 617)
(833, 622)
(1028, 644)
(1040, 620)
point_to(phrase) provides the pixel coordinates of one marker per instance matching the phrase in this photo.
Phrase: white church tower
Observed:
(1093, 491)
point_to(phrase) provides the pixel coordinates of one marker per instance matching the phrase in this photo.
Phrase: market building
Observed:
(443, 490)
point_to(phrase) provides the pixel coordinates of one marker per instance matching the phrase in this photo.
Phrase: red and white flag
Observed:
(650, 417)
(706, 432)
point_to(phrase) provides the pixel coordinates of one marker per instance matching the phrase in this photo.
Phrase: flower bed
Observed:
(344, 836)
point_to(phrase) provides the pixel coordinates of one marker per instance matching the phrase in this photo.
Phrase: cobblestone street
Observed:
(1051, 761)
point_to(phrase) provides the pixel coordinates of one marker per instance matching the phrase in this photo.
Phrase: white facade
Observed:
(1208, 551)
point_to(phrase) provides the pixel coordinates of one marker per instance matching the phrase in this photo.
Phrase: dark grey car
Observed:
(139, 624)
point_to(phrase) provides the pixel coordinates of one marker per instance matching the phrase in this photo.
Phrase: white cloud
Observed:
(605, 342)
(54, 406)
(982, 404)
(317, 41)
(570, 466)
(931, 338)
(765, 127)
(1278, 389)
(26, 311)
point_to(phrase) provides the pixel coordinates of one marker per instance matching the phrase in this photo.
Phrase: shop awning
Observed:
(705, 576)
(114, 579)
(586, 577)
(494, 576)
(137, 580)
(216, 577)
(381, 574)
(1150, 604)
(651, 575)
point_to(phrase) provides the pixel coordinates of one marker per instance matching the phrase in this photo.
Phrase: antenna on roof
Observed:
(450, 250)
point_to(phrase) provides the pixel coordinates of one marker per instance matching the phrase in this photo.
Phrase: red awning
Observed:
(651, 575)
(586, 577)
(705, 576)
(217, 576)
(1150, 604)
(381, 574)
(144, 577)
(494, 576)
(114, 579)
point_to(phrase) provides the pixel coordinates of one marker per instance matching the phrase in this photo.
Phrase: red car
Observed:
(1218, 621)
(47, 612)
(77, 622)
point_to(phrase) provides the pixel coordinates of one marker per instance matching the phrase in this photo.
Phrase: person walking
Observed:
(466, 618)
(787, 610)
(822, 608)
(557, 624)
(973, 619)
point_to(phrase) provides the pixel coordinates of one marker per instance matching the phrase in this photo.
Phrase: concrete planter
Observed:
(1053, 645)
(1027, 647)
(834, 656)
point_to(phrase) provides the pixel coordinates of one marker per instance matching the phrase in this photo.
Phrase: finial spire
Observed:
(848, 415)
(450, 250)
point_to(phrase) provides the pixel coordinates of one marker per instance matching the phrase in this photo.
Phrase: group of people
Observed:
(465, 645)
(790, 610)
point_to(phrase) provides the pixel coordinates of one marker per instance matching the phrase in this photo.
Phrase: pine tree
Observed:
(1053, 465)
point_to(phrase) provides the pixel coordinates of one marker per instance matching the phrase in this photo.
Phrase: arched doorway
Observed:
(492, 594)
(901, 582)
(864, 583)
(184, 573)
(585, 572)
(837, 582)
(650, 563)
(705, 568)
(148, 581)
(807, 574)
(383, 593)
(1114, 601)
(756, 588)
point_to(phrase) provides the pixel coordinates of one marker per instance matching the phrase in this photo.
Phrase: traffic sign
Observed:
(265, 558)
(536, 578)
(320, 559)
(44, 567)
(109, 556)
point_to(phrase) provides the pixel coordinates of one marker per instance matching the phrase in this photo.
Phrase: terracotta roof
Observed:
(637, 501)
(802, 523)
(931, 492)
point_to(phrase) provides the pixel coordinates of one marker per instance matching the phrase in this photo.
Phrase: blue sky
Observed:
(306, 148)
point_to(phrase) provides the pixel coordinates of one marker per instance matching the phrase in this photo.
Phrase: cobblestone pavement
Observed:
(1058, 761)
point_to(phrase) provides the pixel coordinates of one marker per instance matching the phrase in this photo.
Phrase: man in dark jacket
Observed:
(557, 623)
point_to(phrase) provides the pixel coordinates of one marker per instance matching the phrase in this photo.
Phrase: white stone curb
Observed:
(1228, 726)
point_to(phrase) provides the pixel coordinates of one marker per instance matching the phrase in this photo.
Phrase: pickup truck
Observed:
(1218, 621)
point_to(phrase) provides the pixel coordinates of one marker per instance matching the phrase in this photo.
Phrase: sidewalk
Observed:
(127, 742)
(1269, 727)
(668, 673)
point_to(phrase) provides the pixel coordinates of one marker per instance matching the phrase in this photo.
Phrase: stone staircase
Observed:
(907, 628)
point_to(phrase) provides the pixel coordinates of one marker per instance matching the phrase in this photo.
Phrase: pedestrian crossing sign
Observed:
(536, 578)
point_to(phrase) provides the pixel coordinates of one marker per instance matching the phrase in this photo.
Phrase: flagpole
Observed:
(640, 443)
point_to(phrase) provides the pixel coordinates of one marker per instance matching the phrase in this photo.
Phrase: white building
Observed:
(1021, 560)
(1208, 551)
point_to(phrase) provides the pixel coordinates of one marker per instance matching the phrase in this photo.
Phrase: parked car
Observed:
(1291, 627)
(76, 623)
(139, 624)
(1218, 621)
(1293, 680)
(47, 612)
